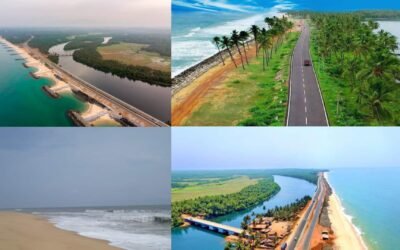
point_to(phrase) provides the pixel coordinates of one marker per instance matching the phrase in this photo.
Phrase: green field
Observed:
(135, 54)
(250, 97)
(194, 190)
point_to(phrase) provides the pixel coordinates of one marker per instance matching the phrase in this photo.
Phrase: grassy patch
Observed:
(215, 188)
(134, 54)
(249, 97)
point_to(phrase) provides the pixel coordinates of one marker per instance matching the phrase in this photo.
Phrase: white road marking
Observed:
(305, 100)
(305, 109)
(306, 121)
(304, 92)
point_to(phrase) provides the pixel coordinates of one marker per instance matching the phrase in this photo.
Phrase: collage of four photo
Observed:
(199, 125)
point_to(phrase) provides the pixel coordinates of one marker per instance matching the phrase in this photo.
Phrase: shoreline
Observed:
(59, 87)
(22, 231)
(350, 236)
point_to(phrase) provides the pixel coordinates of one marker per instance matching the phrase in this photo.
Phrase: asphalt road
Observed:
(306, 107)
(314, 219)
(301, 228)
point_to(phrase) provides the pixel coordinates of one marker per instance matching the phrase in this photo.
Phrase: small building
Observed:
(325, 235)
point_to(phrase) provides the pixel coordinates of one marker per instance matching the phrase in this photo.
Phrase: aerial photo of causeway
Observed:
(261, 193)
(85, 70)
(285, 63)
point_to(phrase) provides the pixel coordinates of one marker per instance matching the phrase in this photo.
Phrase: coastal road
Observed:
(302, 236)
(133, 114)
(306, 106)
(307, 234)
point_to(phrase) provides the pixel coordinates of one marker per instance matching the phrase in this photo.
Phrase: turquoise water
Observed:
(194, 238)
(22, 100)
(371, 197)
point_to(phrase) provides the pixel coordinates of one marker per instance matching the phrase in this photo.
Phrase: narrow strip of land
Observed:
(306, 106)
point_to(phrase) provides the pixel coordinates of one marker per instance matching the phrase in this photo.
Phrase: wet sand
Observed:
(20, 231)
(346, 236)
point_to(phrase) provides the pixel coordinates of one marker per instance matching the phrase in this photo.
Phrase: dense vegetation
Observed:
(358, 70)
(364, 14)
(87, 43)
(210, 206)
(54, 58)
(256, 239)
(310, 175)
(91, 57)
(289, 211)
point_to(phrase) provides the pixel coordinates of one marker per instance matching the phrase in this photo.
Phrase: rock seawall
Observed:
(190, 74)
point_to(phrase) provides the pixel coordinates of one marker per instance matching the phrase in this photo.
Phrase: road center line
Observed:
(305, 100)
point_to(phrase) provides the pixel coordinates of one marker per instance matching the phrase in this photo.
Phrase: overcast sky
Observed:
(84, 167)
(240, 148)
(87, 13)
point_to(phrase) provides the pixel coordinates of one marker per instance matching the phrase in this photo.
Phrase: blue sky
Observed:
(260, 5)
(241, 148)
(67, 167)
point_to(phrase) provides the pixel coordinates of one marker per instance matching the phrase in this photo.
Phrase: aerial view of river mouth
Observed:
(152, 99)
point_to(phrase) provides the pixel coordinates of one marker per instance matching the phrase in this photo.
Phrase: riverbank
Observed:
(196, 238)
(20, 231)
(347, 236)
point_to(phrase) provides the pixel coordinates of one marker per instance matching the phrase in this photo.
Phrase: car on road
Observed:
(307, 62)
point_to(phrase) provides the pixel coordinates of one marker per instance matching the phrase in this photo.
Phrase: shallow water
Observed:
(370, 197)
(152, 99)
(129, 228)
(23, 101)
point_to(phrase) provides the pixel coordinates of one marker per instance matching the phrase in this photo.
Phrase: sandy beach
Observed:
(98, 116)
(20, 231)
(346, 235)
(42, 70)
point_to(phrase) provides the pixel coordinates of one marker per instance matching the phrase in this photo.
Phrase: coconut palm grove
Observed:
(356, 62)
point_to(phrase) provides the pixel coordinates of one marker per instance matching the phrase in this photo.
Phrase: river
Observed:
(194, 238)
(152, 99)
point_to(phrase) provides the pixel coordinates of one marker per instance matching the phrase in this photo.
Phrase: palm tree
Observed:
(227, 44)
(217, 41)
(264, 41)
(243, 37)
(235, 38)
(255, 31)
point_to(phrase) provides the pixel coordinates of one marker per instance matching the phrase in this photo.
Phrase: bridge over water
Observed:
(213, 226)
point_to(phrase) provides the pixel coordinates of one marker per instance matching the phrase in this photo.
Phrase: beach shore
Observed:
(20, 231)
(42, 70)
(346, 234)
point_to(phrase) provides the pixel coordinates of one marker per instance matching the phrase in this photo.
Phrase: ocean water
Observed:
(23, 101)
(370, 198)
(130, 228)
(195, 238)
(195, 22)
